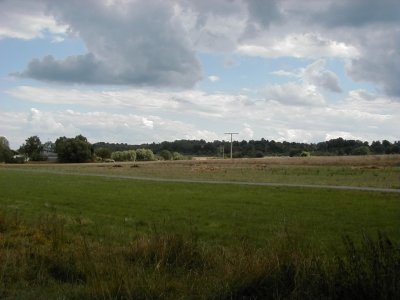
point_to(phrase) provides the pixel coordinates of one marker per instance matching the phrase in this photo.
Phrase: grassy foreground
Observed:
(46, 261)
(83, 237)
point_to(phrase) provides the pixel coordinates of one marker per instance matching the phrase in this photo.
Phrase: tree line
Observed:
(263, 147)
(79, 149)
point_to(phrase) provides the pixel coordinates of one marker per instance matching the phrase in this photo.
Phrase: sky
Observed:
(142, 71)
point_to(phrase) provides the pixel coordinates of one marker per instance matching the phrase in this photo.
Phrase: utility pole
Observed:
(231, 133)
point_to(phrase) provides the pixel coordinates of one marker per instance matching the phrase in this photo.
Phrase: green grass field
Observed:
(365, 171)
(221, 213)
(77, 236)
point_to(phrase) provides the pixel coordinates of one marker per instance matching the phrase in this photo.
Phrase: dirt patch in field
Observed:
(206, 168)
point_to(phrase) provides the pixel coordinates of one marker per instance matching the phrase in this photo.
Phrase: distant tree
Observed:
(177, 156)
(5, 152)
(73, 150)
(129, 155)
(166, 155)
(103, 153)
(144, 154)
(32, 148)
(305, 154)
(377, 147)
(362, 150)
(49, 146)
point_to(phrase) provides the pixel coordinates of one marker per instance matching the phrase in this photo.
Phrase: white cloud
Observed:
(380, 60)
(247, 132)
(363, 115)
(316, 74)
(158, 43)
(193, 101)
(294, 94)
(213, 78)
(26, 20)
(284, 73)
(44, 122)
(307, 45)
(125, 46)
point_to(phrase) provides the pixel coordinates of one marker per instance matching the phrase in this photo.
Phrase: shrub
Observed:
(362, 150)
(305, 154)
(166, 155)
(144, 154)
(129, 155)
(103, 153)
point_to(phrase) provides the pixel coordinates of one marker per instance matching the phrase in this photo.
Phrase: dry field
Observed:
(380, 171)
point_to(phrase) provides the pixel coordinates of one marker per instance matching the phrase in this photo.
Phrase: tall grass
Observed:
(47, 261)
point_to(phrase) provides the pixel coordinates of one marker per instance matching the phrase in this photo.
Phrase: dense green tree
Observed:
(49, 146)
(144, 154)
(165, 154)
(377, 147)
(73, 150)
(177, 156)
(32, 148)
(129, 155)
(103, 153)
(361, 150)
(5, 152)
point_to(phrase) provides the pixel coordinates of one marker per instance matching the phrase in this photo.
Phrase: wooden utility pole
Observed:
(231, 133)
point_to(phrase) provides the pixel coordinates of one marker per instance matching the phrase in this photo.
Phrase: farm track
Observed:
(172, 180)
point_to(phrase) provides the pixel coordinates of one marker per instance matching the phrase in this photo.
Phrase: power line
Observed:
(231, 133)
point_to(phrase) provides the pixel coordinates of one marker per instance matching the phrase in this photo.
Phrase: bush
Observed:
(144, 154)
(177, 156)
(129, 155)
(103, 153)
(166, 155)
(362, 150)
(305, 154)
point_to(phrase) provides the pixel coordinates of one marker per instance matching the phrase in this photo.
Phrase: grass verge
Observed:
(46, 260)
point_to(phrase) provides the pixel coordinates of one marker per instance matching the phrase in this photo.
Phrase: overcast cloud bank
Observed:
(145, 63)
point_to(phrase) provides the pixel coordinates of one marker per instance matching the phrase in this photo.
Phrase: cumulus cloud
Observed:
(25, 19)
(316, 74)
(44, 122)
(261, 13)
(372, 27)
(294, 94)
(307, 45)
(127, 46)
(357, 13)
(129, 43)
(157, 43)
(379, 62)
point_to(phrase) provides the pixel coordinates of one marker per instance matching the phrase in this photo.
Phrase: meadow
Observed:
(381, 171)
(73, 236)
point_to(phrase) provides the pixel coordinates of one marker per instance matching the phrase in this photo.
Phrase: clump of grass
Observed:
(169, 251)
(369, 271)
(47, 260)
